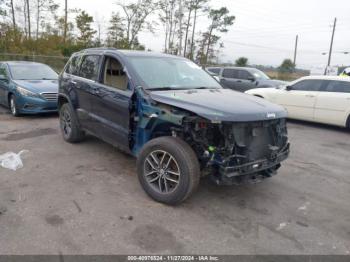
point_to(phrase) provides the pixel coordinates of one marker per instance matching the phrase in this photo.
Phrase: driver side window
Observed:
(308, 85)
(114, 75)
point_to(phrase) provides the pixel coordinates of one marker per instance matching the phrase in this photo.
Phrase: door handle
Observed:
(95, 91)
(311, 96)
(239, 81)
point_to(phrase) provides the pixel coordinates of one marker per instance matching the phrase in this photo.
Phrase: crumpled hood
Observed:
(39, 86)
(221, 104)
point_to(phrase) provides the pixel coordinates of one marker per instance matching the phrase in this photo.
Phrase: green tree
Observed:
(115, 36)
(287, 66)
(86, 33)
(242, 61)
(219, 21)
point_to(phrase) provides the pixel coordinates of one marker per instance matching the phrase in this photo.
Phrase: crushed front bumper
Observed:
(251, 172)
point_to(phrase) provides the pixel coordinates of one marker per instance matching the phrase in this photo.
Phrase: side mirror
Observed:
(288, 88)
(3, 78)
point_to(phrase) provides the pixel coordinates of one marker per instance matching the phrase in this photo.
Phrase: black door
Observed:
(84, 88)
(111, 104)
(245, 81)
(230, 79)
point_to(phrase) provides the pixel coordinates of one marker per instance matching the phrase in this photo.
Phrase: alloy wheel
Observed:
(162, 171)
(13, 106)
(66, 123)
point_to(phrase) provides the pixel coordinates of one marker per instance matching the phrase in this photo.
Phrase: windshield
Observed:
(259, 74)
(172, 73)
(33, 72)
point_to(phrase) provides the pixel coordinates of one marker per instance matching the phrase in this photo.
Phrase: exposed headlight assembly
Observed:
(25, 92)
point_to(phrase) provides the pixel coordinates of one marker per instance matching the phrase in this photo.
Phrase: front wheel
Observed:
(69, 125)
(168, 170)
(13, 106)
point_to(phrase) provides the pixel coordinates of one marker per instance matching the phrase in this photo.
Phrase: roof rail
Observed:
(102, 48)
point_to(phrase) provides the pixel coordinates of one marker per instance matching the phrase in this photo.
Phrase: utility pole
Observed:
(295, 50)
(331, 47)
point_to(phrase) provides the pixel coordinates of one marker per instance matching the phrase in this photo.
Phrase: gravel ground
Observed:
(85, 199)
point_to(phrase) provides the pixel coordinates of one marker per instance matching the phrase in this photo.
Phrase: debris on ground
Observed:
(130, 218)
(304, 207)
(12, 160)
(281, 226)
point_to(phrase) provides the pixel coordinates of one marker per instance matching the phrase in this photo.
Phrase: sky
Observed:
(264, 31)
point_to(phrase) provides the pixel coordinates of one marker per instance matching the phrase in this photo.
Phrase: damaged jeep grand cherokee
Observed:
(174, 117)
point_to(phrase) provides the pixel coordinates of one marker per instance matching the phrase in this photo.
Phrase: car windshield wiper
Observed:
(205, 87)
(166, 88)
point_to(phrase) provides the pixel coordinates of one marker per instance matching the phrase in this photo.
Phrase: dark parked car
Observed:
(28, 87)
(243, 78)
(174, 117)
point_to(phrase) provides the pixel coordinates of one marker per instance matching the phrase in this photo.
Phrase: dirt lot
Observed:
(85, 199)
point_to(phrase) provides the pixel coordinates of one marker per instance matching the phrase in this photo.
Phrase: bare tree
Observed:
(43, 6)
(189, 5)
(65, 21)
(135, 15)
(13, 15)
(171, 16)
(198, 5)
(28, 19)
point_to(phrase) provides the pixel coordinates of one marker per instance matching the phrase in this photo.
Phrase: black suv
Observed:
(174, 117)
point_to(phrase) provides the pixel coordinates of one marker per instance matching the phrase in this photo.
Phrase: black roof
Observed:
(128, 53)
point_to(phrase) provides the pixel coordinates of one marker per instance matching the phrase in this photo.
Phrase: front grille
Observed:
(51, 97)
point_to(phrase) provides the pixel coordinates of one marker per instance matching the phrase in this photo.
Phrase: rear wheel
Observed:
(13, 106)
(168, 170)
(69, 125)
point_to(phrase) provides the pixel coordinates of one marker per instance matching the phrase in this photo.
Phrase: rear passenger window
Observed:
(73, 66)
(308, 85)
(90, 66)
(230, 73)
(338, 87)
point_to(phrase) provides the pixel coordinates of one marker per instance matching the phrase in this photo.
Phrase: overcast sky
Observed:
(264, 31)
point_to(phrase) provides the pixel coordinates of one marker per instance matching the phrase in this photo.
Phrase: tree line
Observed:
(44, 27)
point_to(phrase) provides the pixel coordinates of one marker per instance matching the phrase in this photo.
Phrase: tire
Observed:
(175, 157)
(13, 106)
(69, 125)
